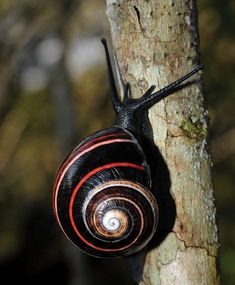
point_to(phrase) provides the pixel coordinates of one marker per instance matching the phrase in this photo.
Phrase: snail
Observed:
(102, 195)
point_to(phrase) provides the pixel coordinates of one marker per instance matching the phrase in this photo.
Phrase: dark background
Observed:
(53, 93)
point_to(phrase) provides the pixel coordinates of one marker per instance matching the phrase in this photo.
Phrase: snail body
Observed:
(102, 198)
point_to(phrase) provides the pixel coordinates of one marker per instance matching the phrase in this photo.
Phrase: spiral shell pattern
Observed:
(101, 198)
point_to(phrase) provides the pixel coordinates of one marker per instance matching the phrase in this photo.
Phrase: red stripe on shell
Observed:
(83, 180)
(102, 138)
(81, 147)
(69, 162)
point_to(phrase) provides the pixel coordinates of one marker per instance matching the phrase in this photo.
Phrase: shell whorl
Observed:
(101, 197)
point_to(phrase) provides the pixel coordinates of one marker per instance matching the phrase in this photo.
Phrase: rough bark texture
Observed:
(156, 42)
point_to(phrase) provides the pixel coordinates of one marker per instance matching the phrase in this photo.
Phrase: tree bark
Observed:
(156, 42)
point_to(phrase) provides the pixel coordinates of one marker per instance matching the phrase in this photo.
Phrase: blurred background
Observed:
(53, 93)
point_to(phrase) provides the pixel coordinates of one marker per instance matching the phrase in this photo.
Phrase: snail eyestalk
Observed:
(146, 101)
(111, 79)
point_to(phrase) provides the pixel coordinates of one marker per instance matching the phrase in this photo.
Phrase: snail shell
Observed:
(101, 196)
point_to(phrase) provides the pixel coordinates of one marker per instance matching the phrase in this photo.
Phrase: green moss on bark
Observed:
(194, 129)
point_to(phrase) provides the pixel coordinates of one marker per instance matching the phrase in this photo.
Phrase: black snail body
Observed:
(102, 198)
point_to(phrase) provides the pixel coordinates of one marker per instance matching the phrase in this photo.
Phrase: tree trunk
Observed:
(156, 42)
